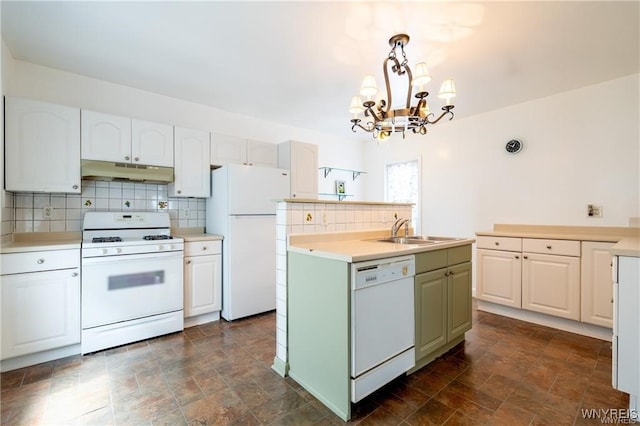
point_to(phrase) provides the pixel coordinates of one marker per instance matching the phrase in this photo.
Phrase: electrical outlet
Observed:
(185, 213)
(47, 212)
(323, 218)
(594, 210)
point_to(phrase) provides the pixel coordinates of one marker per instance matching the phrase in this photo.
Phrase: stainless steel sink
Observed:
(417, 239)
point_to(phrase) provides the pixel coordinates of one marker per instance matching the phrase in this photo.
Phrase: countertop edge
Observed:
(384, 250)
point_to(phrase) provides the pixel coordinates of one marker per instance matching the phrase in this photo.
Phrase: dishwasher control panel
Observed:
(382, 270)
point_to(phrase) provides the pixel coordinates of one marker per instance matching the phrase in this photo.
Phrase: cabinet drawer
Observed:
(544, 246)
(458, 255)
(499, 243)
(201, 248)
(431, 260)
(34, 261)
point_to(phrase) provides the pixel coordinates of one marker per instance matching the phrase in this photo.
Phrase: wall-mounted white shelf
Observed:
(354, 173)
(335, 194)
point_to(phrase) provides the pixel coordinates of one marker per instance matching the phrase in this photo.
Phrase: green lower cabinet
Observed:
(431, 312)
(442, 301)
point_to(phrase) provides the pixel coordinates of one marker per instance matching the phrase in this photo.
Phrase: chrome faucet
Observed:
(396, 227)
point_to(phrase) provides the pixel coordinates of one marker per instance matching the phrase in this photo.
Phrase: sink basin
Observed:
(417, 239)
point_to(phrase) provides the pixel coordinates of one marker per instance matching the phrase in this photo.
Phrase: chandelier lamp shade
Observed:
(379, 119)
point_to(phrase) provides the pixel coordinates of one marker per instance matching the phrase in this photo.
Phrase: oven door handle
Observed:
(131, 257)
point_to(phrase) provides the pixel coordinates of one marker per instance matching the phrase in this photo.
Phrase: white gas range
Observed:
(132, 278)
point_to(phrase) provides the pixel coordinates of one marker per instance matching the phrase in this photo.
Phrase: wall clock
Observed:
(514, 146)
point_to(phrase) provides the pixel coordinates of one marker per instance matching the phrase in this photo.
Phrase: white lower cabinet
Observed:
(40, 303)
(597, 284)
(551, 285)
(499, 265)
(202, 278)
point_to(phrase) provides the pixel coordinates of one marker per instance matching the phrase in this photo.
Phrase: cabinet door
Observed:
(227, 149)
(430, 311)
(499, 277)
(202, 279)
(106, 137)
(458, 300)
(42, 147)
(304, 170)
(262, 154)
(191, 164)
(596, 289)
(40, 311)
(151, 143)
(551, 285)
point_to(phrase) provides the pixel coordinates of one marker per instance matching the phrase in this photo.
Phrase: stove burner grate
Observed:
(157, 237)
(106, 240)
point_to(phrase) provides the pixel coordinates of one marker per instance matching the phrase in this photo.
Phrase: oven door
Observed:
(121, 288)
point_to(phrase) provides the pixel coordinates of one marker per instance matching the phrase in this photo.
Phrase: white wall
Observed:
(580, 147)
(33, 81)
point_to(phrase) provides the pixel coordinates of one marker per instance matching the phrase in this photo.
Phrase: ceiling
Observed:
(299, 63)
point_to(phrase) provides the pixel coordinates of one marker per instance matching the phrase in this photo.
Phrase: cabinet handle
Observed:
(525, 257)
(40, 261)
(204, 248)
(126, 158)
(294, 196)
(179, 192)
(188, 262)
(549, 247)
(612, 300)
(517, 257)
(497, 243)
(75, 186)
(75, 274)
(136, 159)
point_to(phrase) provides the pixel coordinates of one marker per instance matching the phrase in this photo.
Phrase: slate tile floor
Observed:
(507, 373)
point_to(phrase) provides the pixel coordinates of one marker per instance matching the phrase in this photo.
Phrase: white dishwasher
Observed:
(382, 322)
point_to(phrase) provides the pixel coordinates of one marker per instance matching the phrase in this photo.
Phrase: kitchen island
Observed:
(342, 283)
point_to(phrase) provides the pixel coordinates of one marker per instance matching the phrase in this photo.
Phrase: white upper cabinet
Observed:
(42, 147)
(227, 149)
(151, 143)
(302, 161)
(107, 137)
(192, 167)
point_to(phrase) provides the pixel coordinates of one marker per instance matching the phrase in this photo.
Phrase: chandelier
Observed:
(382, 120)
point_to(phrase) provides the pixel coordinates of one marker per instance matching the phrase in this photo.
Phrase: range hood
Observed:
(106, 170)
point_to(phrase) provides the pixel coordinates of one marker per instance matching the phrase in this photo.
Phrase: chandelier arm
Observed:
(370, 112)
(447, 111)
(370, 126)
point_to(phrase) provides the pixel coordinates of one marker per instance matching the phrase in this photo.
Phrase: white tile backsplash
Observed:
(23, 212)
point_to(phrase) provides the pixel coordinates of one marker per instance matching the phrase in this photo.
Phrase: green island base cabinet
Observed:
(442, 301)
(319, 318)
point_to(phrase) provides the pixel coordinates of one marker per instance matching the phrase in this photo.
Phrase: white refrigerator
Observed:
(242, 208)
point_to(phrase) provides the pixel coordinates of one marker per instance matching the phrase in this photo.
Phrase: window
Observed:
(402, 186)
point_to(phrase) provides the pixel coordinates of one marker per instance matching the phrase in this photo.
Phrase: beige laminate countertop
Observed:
(357, 246)
(39, 241)
(627, 239)
(194, 234)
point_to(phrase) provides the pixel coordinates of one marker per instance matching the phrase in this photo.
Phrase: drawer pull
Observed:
(517, 257)
(204, 248)
(525, 257)
(497, 243)
(549, 247)
(40, 261)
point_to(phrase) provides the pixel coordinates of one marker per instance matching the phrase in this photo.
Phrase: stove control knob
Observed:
(118, 250)
(105, 251)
